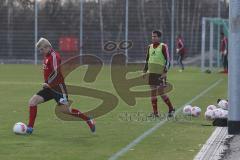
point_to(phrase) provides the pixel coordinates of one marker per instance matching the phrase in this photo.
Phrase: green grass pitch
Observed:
(63, 140)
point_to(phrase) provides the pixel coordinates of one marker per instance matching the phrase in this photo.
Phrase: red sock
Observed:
(168, 102)
(32, 115)
(77, 113)
(154, 105)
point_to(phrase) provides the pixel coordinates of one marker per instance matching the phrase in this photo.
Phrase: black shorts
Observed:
(155, 79)
(58, 93)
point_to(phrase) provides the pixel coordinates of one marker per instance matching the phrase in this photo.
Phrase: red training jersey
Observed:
(51, 68)
(180, 45)
(224, 44)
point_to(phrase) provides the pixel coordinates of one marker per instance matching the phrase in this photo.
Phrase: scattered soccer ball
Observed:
(209, 115)
(20, 128)
(211, 107)
(196, 111)
(223, 104)
(187, 110)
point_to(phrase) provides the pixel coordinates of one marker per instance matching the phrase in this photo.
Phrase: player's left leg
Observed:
(180, 58)
(225, 63)
(65, 107)
(167, 101)
(181, 61)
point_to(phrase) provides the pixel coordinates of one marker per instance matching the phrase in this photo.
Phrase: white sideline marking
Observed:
(158, 125)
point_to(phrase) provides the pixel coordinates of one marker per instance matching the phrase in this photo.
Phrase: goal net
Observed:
(210, 43)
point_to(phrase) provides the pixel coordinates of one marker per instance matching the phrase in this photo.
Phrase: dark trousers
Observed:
(225, 61)
(180, 59)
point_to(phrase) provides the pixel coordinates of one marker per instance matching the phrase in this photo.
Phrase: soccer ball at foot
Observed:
(20, 128)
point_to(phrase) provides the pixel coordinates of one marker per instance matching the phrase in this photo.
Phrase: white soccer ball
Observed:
(187, 110)
(223, 114)
(223, 104)
(196, 111)
(211, 107)
(218, 113)
(20, 128)
(209, 115)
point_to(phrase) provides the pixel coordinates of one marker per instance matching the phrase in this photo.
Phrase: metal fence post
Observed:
(126, 29)
(36, 32)
(81, 28)
(172, 31)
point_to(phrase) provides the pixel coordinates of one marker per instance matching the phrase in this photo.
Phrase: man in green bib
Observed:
(157, 65)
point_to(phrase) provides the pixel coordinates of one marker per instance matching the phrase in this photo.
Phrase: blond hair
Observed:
(43, 42)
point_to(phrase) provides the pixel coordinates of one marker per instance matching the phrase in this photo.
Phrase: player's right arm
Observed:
(145, 69)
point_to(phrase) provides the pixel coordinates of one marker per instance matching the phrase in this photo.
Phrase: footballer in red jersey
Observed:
(224, 52)
(53, 87)
(180, 51)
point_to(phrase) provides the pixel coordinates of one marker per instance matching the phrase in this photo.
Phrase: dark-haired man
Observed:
(157, 65)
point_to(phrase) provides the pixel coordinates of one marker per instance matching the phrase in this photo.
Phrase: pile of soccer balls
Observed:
(220, 111)
(213, 111)
(188, 110)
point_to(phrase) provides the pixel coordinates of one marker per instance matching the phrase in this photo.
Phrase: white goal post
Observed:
(210, 42)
